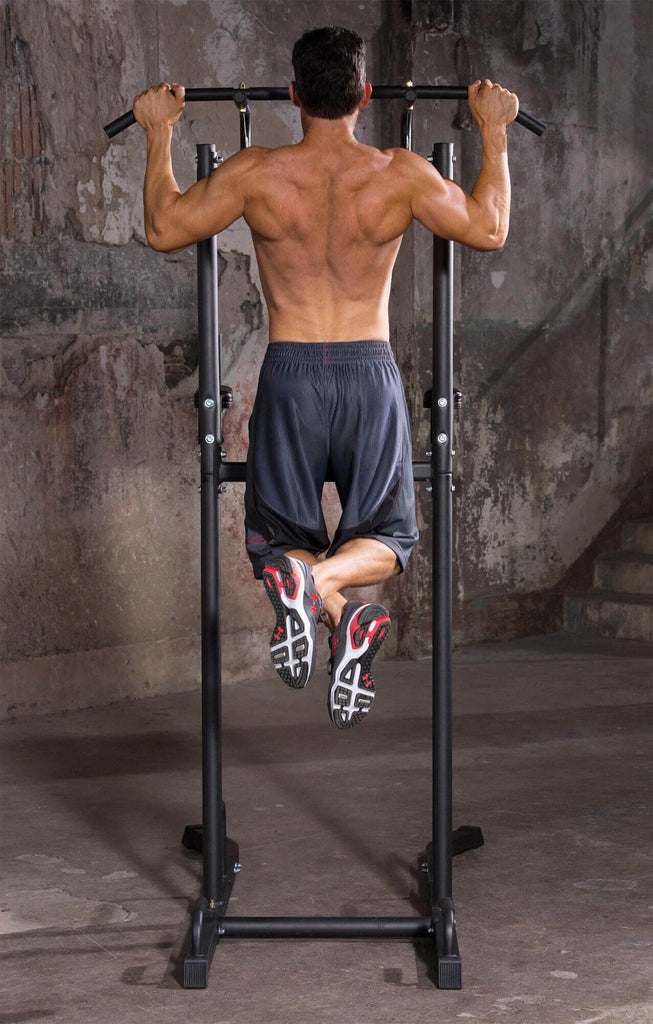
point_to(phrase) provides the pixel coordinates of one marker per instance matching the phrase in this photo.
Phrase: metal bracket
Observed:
(240, 99)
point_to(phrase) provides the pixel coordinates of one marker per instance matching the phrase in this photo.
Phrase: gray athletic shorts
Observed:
(328, 411)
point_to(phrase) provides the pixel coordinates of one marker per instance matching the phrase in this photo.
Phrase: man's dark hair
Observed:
(329, 68)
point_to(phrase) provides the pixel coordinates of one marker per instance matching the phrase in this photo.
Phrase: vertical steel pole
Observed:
(441, 447)
(209, 419)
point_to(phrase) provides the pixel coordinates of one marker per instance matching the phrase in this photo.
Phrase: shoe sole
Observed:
(292, 646)
(352, 689)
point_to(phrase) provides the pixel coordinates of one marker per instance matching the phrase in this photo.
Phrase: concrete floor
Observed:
(552, 759)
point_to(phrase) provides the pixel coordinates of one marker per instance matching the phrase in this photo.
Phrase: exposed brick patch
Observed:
(179, 360)
(22, 144)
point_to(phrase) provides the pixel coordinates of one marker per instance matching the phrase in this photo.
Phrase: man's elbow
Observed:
(492, 240)
(156, 242)
(495, 244)
(161, 241)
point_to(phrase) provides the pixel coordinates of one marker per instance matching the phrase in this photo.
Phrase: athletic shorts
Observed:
(328, 411)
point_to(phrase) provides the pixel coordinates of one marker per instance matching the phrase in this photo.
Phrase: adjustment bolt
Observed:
(199, 490)
(223, 455)
(429, 454)
(442, 438)
(209, 403)
(442, 402)
(429, 487)
(453, 487)
(210, 439)
(237, 867)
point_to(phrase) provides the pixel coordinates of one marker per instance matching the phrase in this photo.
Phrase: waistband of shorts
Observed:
(328, 351)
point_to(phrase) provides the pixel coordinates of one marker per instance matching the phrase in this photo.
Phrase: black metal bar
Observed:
(325, 927)
(380, 92)
(234, 472)
(441, 447)
(209, 437)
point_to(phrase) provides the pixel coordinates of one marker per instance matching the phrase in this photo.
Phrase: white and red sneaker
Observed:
(360, 633)
(290, 586)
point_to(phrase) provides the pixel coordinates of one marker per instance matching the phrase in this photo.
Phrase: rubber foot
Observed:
(450, 972)
(196, 972)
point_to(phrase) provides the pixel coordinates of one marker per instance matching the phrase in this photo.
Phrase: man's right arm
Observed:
(479, 220)
(175, 220)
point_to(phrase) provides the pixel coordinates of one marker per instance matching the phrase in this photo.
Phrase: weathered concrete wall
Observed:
(552, 335)
(100, 539)
(100, 534)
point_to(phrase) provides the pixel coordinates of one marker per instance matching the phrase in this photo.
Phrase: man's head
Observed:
(329, 66)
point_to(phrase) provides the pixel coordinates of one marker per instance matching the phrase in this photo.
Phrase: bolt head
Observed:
(209, 403)
(442, 402)
(209, 438)
(442, 438)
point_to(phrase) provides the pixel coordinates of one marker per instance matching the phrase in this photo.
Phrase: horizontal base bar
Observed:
(325, 927)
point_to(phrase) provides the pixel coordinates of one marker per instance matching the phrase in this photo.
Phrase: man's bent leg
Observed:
(334, 604)
(360, 562)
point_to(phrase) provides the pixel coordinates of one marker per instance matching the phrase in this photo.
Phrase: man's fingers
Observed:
(490, 102)
(179, 91)
(161, 104)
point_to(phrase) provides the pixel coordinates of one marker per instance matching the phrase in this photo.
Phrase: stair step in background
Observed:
(609, 613)
(627, 571)
(621, 603)
(637, 535)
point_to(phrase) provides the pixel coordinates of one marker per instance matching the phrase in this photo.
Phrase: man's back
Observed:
(327, 226)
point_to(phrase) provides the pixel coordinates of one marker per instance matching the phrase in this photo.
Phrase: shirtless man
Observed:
(327, 217)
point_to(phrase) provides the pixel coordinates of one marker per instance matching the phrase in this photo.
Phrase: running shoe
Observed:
(290, 586)
(360, 633)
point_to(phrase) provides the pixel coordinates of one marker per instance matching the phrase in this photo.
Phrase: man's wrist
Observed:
(159, 127)
(162, 129)
(159, 141)
(494, 138)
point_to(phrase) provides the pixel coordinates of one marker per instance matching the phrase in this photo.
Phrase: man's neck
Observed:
(324, 132)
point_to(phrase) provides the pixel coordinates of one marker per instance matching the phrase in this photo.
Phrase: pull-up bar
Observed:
(408, 93)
